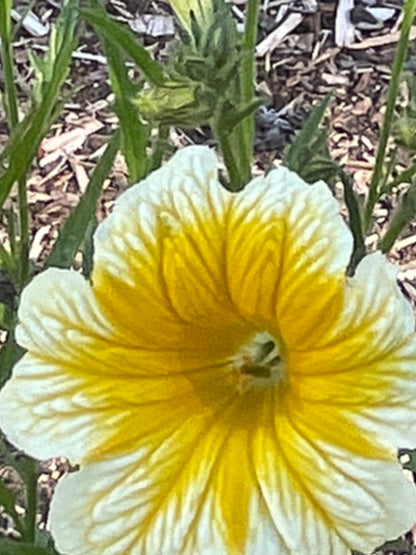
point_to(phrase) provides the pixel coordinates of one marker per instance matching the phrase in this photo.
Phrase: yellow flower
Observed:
(224, 387)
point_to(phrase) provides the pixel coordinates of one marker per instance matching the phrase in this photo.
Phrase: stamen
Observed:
(275, 361)
(256, 370)
(265, 350)
(258, 364)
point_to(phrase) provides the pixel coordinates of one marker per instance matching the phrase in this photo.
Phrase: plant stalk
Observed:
(404, 177)
(31, 500)
(235, 180)
(247, 75)
(22, 253)
(374, 189)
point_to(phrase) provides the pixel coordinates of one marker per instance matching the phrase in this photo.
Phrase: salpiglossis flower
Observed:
(225, 388)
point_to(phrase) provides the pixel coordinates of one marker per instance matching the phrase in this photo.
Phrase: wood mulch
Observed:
(306, 49)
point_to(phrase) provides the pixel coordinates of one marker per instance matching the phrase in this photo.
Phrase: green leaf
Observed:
(26, 136)
(11, 547)
(411, 464)
(124, 39)
(354, 215)
(317, 167)
(403, 215)
(8, 500)
(237, 116)
(75, 227)
(10, 98)
(44, 540)
(6, 316)
(309, 142)
(134, 137)
(5, 22)
(404, 177)
(6, 261)
(88, 248)
(10, 353)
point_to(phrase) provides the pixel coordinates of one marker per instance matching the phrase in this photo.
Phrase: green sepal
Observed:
(355, 221)
(88, 248)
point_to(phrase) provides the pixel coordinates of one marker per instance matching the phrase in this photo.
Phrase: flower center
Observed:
(258, 364)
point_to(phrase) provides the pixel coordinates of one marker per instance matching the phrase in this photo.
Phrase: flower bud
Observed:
(176, 103)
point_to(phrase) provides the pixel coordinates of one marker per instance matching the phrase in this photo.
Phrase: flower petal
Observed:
(367, 366)
(351, 486)
(215, 486)
(375, 318)
(42, 405)
(153, 500)
(180, 251)
(159, 268)
(287, 238)
(48, 411)
(79, 393)
(58, 305)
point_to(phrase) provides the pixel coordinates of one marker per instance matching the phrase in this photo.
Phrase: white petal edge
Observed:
(355, 492)
(190, 174)
(96, 511)
(39, 417)
(56, 309)
(376, 278)
(43, 409)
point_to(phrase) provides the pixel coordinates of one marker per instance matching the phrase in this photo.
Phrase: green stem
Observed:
(246, 134)
(31, 499)
(374, 189)
(236, 182)
(160, 146)
(404, 177)
(13, 116)
(23, 225)
(7, 60)
(11, 229)
(403, 215)
(248, 63)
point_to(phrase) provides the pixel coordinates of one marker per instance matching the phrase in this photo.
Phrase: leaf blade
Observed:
(76, 226)
(125, 39)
